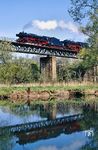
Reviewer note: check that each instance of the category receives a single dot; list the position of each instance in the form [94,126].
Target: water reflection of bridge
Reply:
[48,132]
[37,125]
[43,129]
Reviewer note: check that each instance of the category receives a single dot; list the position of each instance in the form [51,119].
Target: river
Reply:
[78,134]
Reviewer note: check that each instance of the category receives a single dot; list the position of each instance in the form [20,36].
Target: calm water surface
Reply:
[76,135]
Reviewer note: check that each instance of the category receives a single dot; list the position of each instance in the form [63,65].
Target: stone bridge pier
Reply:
[48,68]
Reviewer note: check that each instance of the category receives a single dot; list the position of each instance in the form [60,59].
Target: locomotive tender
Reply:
[50,42]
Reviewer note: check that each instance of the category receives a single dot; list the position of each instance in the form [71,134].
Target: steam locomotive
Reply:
[50,42]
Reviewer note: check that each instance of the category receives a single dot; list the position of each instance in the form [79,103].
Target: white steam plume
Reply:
[52,25]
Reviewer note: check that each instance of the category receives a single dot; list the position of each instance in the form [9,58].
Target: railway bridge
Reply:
[48,63]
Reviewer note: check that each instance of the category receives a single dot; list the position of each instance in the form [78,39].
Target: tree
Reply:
[19,70]
[70,71]
[5,54]
[85,12]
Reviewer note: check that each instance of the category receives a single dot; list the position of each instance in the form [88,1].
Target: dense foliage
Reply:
[85,12]
[70,70]
[5,55]
[19,71]
[16,70]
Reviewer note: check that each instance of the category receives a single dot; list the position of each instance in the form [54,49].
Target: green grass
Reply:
[9,89]
[5,90]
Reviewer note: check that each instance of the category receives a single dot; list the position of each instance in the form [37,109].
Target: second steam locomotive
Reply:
[50,42]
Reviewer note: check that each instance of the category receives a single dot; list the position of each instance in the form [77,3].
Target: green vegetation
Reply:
[19,71]
[83,11]
[5,54]
[16,70]
[73,71]
[86,11]
[10,89]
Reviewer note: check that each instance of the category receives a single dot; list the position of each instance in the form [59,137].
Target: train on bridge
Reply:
[49,42]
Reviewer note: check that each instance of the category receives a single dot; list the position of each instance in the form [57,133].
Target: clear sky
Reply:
[42,17]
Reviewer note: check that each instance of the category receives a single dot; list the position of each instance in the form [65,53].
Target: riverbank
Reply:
[47,91]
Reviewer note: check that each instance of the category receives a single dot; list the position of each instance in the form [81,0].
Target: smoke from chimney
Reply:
[27,26]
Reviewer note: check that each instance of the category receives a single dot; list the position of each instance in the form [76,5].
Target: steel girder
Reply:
[41,50]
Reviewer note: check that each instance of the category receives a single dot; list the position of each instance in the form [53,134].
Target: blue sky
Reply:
[42,17]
